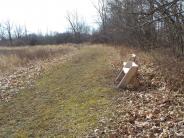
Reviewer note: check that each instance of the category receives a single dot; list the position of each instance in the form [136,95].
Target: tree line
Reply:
[144,23]
[17,35]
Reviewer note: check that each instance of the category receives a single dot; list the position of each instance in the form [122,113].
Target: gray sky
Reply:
[43,15]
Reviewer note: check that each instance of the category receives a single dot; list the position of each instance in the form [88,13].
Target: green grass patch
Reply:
[68,100]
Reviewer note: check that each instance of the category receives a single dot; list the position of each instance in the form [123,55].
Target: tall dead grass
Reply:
[166,66]
[11,58]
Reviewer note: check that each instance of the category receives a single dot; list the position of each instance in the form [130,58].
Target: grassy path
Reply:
[67,101]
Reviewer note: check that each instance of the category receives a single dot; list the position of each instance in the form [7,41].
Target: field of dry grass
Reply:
[11,58]
[78,97]
[68,99]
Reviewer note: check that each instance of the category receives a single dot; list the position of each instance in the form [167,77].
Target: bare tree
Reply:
[25,33]
[9,29]
[101,8]
[2,32]
[18,31]
[77,25]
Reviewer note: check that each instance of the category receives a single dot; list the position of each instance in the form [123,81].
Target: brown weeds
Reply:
[160,64]
[155,108]
[10,58]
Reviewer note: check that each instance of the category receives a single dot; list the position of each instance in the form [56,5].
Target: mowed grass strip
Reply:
[67,101]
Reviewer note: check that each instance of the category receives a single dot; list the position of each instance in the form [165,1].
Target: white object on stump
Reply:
[128,73]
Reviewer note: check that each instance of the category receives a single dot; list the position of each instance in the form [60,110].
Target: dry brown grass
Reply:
[166,67]
[10,58]
[171,69]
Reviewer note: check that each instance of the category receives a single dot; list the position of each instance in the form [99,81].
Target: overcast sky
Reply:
[43,15]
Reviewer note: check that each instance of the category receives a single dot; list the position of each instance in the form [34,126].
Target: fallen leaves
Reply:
[24,77]
[155,109]
[11,84]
